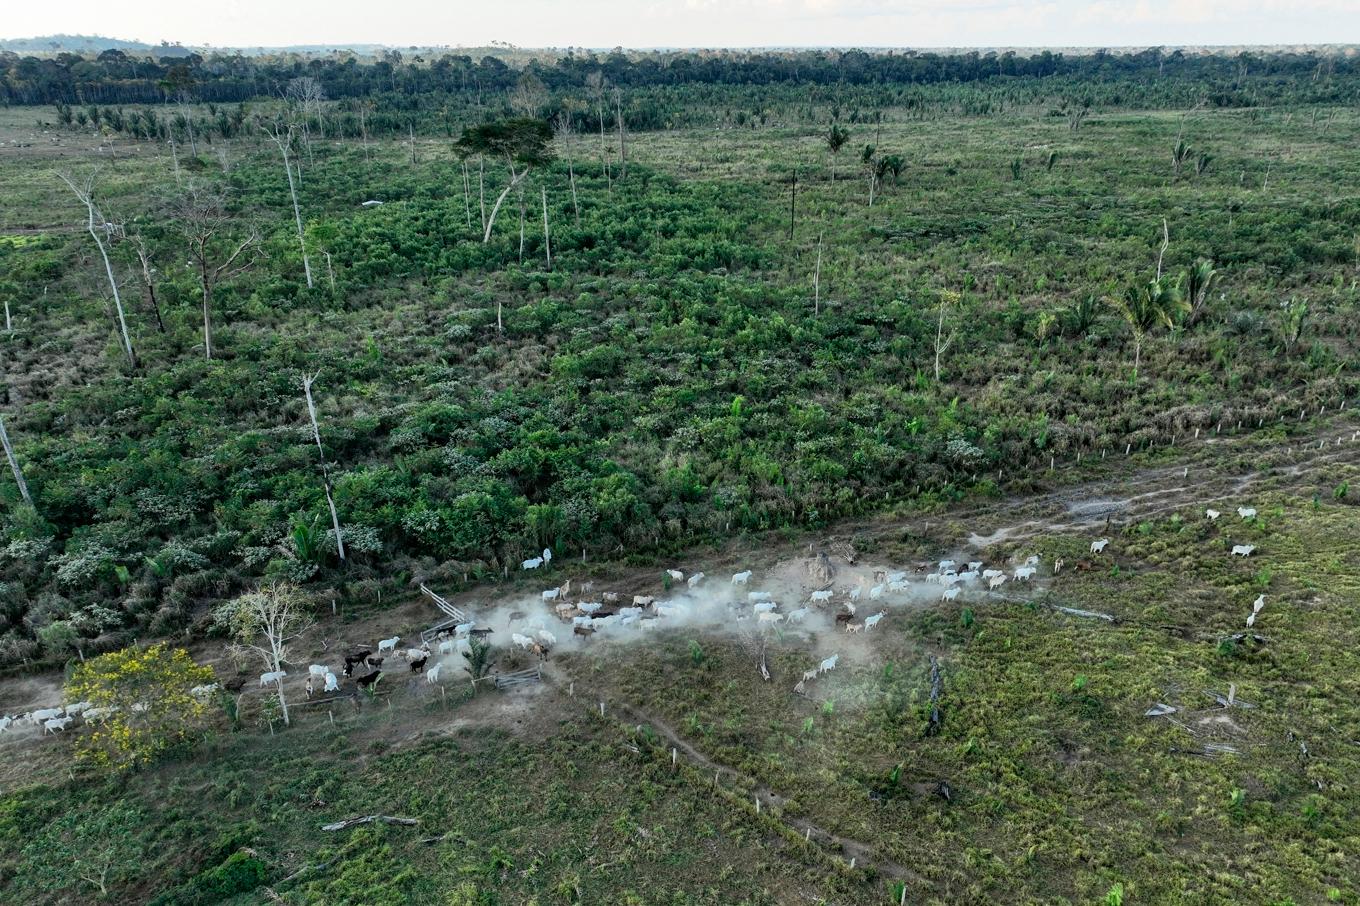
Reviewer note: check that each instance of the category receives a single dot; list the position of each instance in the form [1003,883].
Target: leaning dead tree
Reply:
[522,142]
[14,464]
[97,225]
[307,381]
[203,217]
[283,137]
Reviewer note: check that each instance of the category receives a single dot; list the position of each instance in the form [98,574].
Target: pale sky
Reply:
[695,23]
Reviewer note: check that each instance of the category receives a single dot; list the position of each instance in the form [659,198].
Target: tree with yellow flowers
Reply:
[145,694]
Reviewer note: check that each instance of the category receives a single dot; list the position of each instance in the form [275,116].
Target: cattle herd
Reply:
[606,614]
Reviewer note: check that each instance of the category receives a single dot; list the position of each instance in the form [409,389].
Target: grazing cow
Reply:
[535,563]
[432,675]
[355,659]
[447,646]
[590,607]
[523,641]
[950,593]
[676,575]
[368,680]
[797,616]
[855,592]
[545,637]
[552,594]
[389,644]
[974,565]
[819,597]
[99,715]
[946,565]
[1258,603]
[1024,573]
[1098,546]
[898,576]
[610,597]
[332,684]
[374,661]
[412,653]
[694,580]
[996,582]
[1243,550]
[273,676]
[1211,515]
[42,714]
[77,707]
[873,621]
[419,664]
[765,606]
[770,616]
[1246,512]
[969,576]
[741,578]
[317,671]
[876,592]
[853,627]
[56,723]
[828,664]
[643,600]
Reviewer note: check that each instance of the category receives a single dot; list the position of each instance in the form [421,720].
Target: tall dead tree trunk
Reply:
[618,116]
[283,139]
[14,464]
[495,209]
[325,468]
[86,195]
[547,241]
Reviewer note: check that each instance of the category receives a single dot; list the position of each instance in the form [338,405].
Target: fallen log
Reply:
[367,819]
[1091,614]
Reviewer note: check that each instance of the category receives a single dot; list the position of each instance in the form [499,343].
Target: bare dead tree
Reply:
[148,275]
[97,225]
[184,100]
[547,242]
[283,137]
[817,280]
[942,343]
[618,117]
[595,81]
[265,621]
[307,381]
[14,464]
[562,126]
[218,258]
[467,194]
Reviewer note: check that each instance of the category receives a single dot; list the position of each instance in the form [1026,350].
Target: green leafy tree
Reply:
[1199,280]
[522,142]
[148,704]
[836,137]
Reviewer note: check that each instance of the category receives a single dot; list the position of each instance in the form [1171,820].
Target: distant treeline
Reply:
[116,77]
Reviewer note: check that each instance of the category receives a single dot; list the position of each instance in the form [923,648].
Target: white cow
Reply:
[1259,603]
[552,594]
[797,616]
[56,723]
[332,684]
[990,574]
[523,641]
[1246,512]
[447,646]
[946,565]
[273,676]
[535,563]
[1032,560]
[828,664]
[42,714]
[694,580]
[741,578]
[317,670]
[1211,514]
[388,644]
[871,622]
[464,646]
[765,606]
[1024,573]
[589,606]
[950,593]
[996,582]
[676,575]
[545,637]
[855,592]
[415,654]
[770,616]
[821,596]
[969,576]
[974,565]
[1243,550]
[77,707]
[1251,620]
[756,596]
[5,722]
[547,555]
[432,675]
[464,628]
[643,600]
[876,592]
[99,715]
[1098,546]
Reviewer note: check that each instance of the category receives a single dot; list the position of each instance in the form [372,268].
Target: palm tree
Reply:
[1144,307]
[1199,279]
[836,137]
